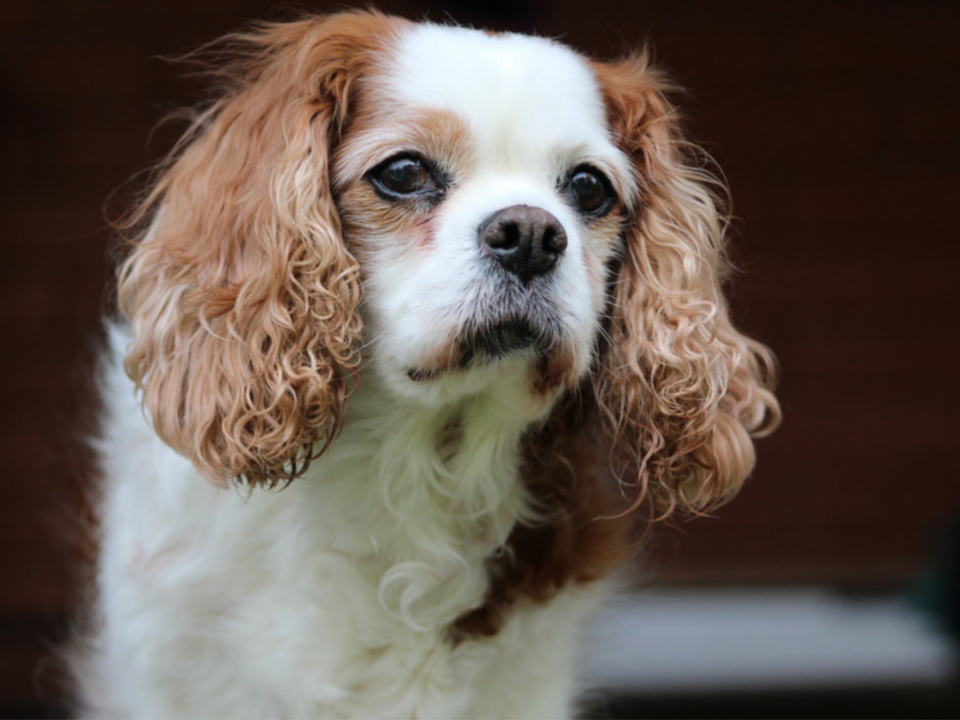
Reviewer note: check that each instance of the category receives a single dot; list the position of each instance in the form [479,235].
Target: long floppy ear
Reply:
[681,390]
[242,295]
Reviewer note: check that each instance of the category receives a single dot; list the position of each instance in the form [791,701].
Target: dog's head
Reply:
[481,190]
[458,213]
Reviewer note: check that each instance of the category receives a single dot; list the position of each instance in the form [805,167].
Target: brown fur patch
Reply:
[584,534]
[555,370]
[377,130]
[238,286]
[680,389]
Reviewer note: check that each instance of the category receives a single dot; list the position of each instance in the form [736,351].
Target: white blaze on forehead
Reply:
[525,99]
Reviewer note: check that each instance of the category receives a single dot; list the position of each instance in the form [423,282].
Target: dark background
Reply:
[838,126]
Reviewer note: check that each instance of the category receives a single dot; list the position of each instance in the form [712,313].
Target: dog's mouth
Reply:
[485,345]
[499,340]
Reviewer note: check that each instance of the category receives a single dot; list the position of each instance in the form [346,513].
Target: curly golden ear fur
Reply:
[241,293]
[681,390]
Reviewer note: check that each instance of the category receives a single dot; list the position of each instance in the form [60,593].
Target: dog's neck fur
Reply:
[427,495]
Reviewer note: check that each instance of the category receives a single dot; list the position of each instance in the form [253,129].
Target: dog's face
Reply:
[480,188]
[452,212]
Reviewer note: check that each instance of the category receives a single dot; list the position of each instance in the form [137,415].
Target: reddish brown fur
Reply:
[555,370]
[585,533]
[679,388]
[227,280]
[437,134]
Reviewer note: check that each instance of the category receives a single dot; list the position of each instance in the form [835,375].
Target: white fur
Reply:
[534,112]
[332,597]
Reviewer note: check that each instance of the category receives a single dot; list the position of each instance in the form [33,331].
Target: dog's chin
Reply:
[490,344]
[497,341]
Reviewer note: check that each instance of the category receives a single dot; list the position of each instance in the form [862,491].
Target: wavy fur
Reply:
[680,389]
[243,271]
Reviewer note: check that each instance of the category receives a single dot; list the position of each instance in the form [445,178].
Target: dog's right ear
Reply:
[241,293]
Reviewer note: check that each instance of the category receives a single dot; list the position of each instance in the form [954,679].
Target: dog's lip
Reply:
[500,339]
[487,343]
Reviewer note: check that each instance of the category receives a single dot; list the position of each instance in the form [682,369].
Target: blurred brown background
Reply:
[838,126]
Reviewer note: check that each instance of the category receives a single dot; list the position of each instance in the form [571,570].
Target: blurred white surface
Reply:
[761,640]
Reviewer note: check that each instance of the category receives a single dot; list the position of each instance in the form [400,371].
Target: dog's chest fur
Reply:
[335,596]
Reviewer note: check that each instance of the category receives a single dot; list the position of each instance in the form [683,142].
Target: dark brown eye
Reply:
[589,191]
[404,177]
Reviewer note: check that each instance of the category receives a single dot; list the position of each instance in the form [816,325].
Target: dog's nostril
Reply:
[526,241]
[554,240]
[504,236]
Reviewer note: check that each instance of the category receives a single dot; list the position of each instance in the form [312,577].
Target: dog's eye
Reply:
[404,176]
[590,191]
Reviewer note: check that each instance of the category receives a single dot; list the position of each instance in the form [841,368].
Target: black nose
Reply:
[526,241]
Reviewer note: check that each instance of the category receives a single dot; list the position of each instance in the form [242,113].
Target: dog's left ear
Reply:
[681,390]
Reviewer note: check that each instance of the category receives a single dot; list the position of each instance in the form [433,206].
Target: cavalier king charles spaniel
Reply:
[416,318]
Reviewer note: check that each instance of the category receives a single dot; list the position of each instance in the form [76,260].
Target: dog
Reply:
[418,325]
